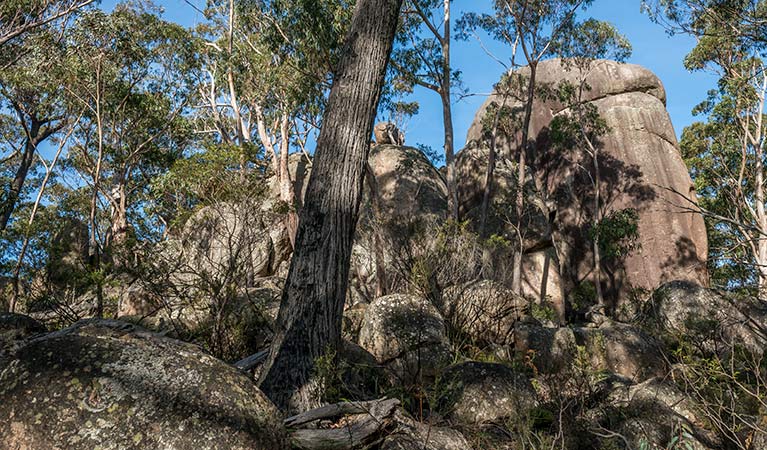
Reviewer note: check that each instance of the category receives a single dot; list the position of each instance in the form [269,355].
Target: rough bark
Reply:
[309,321]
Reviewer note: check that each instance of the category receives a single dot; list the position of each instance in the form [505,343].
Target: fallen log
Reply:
[363,423]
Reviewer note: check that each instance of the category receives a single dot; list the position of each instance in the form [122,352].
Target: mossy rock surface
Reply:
[104,384]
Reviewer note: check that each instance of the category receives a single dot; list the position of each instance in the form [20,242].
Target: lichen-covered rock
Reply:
[110,385]
[551,350]
[484,311]
[411,198]
[617,348]
[624,350]
[477,392]
[654,412]
[682,310]
[758,439]
[657,430]
[224,237]
[406,333]
[413,435]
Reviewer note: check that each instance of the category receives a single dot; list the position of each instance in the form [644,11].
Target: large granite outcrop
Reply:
[411,197]
[641,168]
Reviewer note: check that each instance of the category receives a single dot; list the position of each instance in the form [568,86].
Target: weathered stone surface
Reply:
[388,133]
[477,392]
[655,412]
[68,253]
[408,183]
[758,439]
[110,385]
[300,167]
[550,349]
[413,435]
[618,348]
[222,238]
[541,279]
[406,334]
[353,319]
[484,311]
[640,164]
[137,299]
[412,197]
[622,349]
[682,310]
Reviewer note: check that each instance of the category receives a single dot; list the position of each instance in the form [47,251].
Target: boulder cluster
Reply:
[431,321]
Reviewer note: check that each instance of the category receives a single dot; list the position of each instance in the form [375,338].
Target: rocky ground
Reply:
[439,353]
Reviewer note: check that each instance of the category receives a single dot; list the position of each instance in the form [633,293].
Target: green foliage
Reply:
[203,178]
[130,73]
[418,58]
[543,312]
[19,18]
[583,296]
[328,375]
[542,24]
[618,233]
[723,150]
[593,39]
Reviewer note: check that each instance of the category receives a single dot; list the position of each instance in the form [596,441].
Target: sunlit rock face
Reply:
[640,167]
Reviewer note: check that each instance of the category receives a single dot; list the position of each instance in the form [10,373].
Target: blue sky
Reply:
[652,48]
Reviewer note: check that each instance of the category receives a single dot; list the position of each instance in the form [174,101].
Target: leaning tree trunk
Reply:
[309,321]
[17,184]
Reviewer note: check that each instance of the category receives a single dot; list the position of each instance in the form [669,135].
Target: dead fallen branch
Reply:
[363,423]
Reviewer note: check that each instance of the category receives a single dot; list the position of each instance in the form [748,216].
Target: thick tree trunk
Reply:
[309,321]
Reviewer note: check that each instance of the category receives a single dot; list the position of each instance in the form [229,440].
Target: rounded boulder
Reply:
[111,385]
